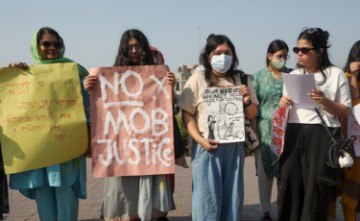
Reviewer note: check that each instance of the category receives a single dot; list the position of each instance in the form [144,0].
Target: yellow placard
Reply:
[42,116]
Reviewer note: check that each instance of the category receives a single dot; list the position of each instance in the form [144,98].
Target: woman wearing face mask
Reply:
[268,86]
[217,168]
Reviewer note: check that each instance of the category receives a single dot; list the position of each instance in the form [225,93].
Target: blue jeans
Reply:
[218,182]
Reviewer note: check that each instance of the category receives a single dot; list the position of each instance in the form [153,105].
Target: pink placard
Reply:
[131,121]
[279,121]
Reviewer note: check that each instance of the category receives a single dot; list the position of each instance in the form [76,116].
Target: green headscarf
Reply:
[38,60]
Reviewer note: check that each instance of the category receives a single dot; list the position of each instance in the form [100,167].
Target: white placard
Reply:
[224,114]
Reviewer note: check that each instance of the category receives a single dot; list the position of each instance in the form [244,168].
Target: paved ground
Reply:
[22,209]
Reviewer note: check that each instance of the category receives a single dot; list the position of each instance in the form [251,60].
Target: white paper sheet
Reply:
[356,112]
[298,86]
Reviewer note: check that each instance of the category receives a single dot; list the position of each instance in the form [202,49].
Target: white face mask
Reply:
[278,64]
[221,63]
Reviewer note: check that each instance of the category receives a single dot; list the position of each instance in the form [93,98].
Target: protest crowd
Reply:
[299,123]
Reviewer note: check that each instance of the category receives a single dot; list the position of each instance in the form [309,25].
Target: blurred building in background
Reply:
[183,74]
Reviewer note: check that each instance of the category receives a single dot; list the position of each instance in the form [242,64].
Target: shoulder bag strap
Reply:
[324,124]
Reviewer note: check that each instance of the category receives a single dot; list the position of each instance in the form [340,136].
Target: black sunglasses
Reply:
[47,44]
[312,30]
[304,50]
[137,47]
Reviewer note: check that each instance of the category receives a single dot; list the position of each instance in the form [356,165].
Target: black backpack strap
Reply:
[243,77]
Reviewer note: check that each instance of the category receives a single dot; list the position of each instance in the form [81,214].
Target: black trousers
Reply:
[306,183]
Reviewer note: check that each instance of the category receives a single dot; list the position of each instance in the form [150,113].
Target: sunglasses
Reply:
[304,50]
[48,44]
[137,47]
[312,30]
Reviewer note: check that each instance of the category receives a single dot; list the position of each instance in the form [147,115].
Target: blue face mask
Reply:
[221,63]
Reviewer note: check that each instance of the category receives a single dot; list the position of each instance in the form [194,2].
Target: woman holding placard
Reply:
[57,188]
[307,184]
[350,189]
[127,197]
[217,168]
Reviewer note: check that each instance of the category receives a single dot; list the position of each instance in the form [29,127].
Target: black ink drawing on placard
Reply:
[224,116]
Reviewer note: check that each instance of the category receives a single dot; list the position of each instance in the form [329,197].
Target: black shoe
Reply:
[267,217]
[163,218]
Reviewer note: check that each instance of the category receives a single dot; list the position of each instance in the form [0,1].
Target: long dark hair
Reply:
[274,46]
[122,58]
[319,40]
[354,55]
[213,41]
